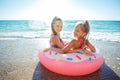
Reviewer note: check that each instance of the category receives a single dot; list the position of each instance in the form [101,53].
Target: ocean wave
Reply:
[29,34]
[103,36]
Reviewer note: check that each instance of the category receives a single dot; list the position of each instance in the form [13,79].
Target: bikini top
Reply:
[55,46]
[81,43]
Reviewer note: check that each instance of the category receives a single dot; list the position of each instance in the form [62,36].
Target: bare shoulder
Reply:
[54,38]
[73,41]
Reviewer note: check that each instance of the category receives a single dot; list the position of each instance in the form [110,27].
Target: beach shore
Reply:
[18,57]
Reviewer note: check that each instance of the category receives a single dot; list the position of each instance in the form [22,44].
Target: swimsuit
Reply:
[54,45]
[81,43]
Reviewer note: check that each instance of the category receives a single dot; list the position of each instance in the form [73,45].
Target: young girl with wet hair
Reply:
[56,27]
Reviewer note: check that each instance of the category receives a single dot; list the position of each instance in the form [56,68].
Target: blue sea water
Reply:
[99,29]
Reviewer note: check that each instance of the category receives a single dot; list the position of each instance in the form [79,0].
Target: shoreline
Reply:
[18,58]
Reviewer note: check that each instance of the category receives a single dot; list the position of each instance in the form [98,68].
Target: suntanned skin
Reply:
[54,39]
[74,45]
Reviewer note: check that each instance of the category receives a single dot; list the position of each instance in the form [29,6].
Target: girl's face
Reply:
[78,32]
[58,26]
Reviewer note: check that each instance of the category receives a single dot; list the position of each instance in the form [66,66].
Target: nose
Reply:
[60,28]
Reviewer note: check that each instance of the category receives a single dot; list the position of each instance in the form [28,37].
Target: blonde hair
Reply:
[53,22]
[85,27]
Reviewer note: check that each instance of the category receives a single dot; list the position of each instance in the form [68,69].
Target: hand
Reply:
[45,50]
[89,53]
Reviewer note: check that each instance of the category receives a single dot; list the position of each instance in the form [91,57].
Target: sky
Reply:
[65,9]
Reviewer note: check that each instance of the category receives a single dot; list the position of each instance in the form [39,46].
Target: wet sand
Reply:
[18,58]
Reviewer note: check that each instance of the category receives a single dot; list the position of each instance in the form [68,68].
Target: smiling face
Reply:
[57,26]
[78,32]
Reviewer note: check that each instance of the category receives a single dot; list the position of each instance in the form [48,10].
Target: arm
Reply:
[90,46]
[74,51]
[67,48]
[77,51]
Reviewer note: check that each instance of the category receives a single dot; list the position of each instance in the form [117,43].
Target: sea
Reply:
[104,30]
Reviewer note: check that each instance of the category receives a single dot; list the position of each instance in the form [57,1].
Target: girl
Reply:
[56,26]
[80,43]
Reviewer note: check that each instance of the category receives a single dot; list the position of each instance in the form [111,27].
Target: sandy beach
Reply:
[18,57]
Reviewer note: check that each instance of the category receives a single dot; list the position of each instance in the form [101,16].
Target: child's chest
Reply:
[77,44]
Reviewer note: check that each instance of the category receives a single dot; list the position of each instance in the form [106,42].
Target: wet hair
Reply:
[85,28]
[53,22]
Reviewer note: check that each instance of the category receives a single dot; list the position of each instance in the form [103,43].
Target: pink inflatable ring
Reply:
[71,64]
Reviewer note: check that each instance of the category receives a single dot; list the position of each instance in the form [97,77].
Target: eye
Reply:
[77,30]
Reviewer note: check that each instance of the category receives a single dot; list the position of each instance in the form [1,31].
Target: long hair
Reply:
[85,28]
[53,22]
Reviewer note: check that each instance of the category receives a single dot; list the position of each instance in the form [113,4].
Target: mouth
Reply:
[59,30]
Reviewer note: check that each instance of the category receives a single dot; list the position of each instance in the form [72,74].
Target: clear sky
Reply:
[65,9]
